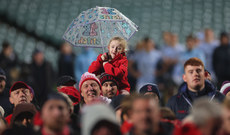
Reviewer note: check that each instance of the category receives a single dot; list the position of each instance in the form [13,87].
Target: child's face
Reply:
[115,48]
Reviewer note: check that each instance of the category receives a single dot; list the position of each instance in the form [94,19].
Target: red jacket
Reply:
[118,68]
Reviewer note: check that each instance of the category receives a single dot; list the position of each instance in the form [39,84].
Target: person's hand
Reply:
[104,63]
[104,57]
[124,92]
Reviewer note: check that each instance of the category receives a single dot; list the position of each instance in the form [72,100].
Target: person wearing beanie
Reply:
[225,88]
[23,114]
[66,85]
[19,92]
[22,120]
[99,119]
[90,87]
[109,85]
[150,89]
[64,81]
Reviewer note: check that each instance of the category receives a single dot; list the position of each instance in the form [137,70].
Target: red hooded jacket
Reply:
[117,67]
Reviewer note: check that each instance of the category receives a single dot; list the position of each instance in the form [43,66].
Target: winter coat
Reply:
[221,63]
[5,103]
[181,102]
[66,65]
[117,67]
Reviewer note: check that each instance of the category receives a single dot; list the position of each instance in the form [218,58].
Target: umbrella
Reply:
[96,26]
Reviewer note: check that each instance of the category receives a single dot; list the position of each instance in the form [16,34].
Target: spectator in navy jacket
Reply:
[195,87]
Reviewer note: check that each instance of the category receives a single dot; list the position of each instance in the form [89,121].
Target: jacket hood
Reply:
[93,114]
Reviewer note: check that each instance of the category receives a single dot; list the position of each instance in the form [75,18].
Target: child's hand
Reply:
[104,57]
[104,63]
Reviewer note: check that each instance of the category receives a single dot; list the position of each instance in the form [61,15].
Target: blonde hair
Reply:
[122,41]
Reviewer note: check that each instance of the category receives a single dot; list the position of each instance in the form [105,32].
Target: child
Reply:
[114,63]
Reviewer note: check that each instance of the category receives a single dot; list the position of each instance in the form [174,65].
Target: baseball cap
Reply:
[18,85]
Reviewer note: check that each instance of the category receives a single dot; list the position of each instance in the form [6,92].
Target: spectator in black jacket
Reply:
[4,94]
[66,61]
[221,59]
[42,75]
[195,87]
[8,61]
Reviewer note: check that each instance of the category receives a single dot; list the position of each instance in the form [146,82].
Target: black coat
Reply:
[5,103]
[42,79]
[66,65]
[182,101]
[221,63]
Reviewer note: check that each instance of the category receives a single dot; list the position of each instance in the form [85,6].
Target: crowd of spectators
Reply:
[156,89]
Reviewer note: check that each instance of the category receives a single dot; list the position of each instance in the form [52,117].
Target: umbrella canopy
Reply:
[96,26]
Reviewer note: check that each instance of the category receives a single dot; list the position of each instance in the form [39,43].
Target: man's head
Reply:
[194,74]
[55,112]
[224,38]
[209,35]
[7,49]
[145,114]
[90,87]
[109,85]
[99,119]
[20,92]
[2,80]
[150,89]
[66,48]
[38,57]
[65,81]
[206,115]
[23,114]
[174,39]
[190,42]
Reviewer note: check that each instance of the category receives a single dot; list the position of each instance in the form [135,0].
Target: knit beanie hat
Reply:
[107,77]
[150,88]
[66,81]
[88,76]
[225,88]
[24,110]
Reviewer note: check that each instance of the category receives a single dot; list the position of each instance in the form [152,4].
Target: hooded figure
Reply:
[94,120]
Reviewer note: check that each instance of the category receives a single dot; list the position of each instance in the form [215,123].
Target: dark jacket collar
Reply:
[209,89]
